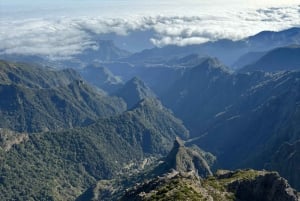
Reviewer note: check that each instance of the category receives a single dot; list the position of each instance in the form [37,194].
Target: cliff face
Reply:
[180,177]
[184,159]
[286,160]
[241,185]
[268,187]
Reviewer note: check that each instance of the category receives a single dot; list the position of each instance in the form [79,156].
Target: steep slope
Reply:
[242,185]
[287,161]
[188,161]
[182,183]
[264,113]
[247,59]
[177,178]
[134,91]
[158,77]
[262,119]
[243,119]
[280,59]
[35,76]
[101,77]
[34,99]
[200,93]
[61,165]
[183,159]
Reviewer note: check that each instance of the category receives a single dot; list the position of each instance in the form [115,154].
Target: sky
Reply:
[60,28]
[115,8]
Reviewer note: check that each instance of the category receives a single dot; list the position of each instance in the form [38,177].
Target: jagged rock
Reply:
[268,187]
[286,160]
[240,185]
[184,160]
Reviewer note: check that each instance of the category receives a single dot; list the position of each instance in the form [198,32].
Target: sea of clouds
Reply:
[66,36]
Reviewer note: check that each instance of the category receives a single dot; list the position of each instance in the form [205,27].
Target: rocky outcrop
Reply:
[240,185]
[286,160]
[184,160]
[9,138]
[268,187]
[171,186]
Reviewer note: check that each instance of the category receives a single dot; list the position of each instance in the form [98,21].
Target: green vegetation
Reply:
[34,76]
[61,165]
[177,189]
[35,99]
[244,185]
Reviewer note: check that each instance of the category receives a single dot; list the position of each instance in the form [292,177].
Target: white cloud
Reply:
[64,37]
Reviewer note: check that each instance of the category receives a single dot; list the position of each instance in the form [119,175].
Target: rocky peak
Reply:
[267,187]
[178,143]
[134,91]
[241,185]
[184,160]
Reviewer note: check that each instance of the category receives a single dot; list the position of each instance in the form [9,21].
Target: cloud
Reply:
[68,36]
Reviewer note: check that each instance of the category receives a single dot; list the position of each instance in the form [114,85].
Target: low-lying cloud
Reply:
[65,37]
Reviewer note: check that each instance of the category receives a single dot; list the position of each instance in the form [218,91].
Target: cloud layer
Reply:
[68,36]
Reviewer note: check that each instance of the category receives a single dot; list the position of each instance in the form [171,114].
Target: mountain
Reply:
[183,159]
[243,185]
[182,182]
[101,77]
[134,91]
[227,51]
[241,118]
[35,76]
[275,38]
[102,50]
[200,93]
[61,165]
[286,160]
[252,129]
[191,60]
[279,59]
[35,99]
[247,59]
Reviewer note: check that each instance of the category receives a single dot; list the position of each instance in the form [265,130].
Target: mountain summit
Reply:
[134,91]
[185,160]
[279,59]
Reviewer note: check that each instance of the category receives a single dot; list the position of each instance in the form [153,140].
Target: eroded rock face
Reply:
[268,187]
[240,185]
[287,161]
[185,160]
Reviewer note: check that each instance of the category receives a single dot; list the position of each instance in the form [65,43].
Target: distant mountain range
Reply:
[109,123]
[227,51]
[103,50]
[279,59]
